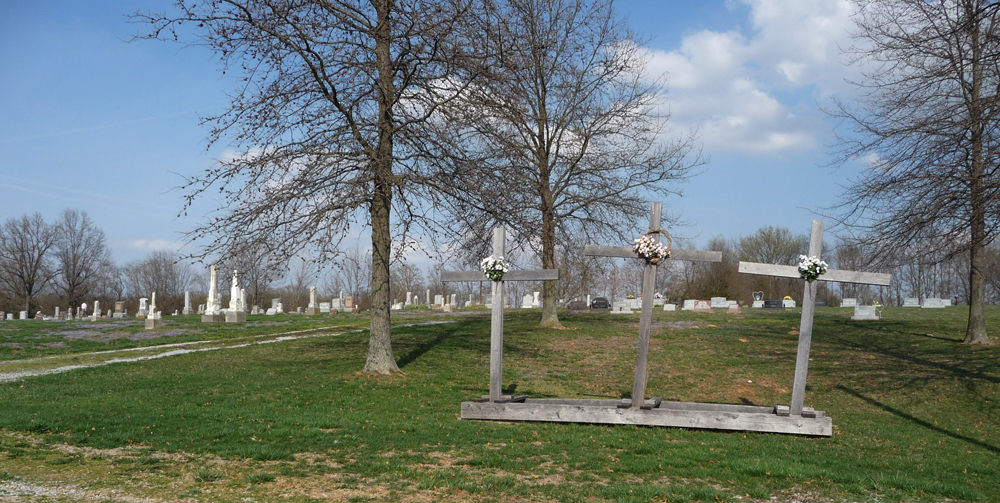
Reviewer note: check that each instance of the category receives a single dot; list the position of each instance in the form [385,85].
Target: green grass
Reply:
[916,414]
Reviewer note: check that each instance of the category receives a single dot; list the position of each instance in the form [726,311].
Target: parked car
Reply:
[600,304]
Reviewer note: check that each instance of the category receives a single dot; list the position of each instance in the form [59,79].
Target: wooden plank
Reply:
[710,420]
[496,341]
[626,252]
[520,275]
[837,275]
[806,325]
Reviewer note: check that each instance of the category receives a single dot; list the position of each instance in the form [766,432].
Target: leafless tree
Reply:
[297,283]
[406,278]
[565,132]
[329,119]
[81,255]
[772,245]
[26,245]
[927,123]
[160,272]
[258,269]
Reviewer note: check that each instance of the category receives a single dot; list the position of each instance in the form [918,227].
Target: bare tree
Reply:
[335,97]
[258,268]
[927,122]
[82,256]
[568,128]
[406,278]
[160,272]
[26,244]
[772,245]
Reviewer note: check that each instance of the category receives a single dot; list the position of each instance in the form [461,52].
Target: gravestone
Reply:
[526,301]
[409,299]
[271,311]
[788,303]
[621,307]
[349,302]
[578,306]
[669,307]
[702,306]
[933,303]
[97,311]
[496,321]
[213,305]
[235,313]
[201,309]
[55,314]
[911,302]
[734,309]
[119,309]
[688,304]
[438,301]
[24,315]
[947,302]
[336,305]
[849,302]
[9,317]
[823,425]
[312,309]
[758,304]
[3,315]
[864,313]
[154,317]
[187,304]
[428,303]
[821,303]
[325,307]
[719,303]
[535,302]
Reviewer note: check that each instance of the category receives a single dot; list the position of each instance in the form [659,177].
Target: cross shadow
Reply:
[443,332]
[921,422]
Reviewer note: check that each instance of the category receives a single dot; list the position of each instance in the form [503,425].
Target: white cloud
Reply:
[150,245]
[740,91]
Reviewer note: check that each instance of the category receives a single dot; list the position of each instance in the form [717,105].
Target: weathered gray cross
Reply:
[809,304]
[496,325]
[648,284]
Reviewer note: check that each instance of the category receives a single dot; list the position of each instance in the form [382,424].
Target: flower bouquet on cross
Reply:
[495,267]
[811,268]
[649,248]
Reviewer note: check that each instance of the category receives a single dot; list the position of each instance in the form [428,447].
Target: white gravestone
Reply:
[235,313]
[933,303]
[187,303]
[409,298]
[621,307]
[153,320]
[688,304]
[312,308]
[911,302]
[336,305]
[325,307]
[213,305]
[719,303]
[526,301]
[864,313]
[670,307]
[536,302]
[788,303]
[947,302]
[439,300]
[23,315]
[849,302]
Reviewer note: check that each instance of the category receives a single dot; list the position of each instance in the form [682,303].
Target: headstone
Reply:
[773,304]
[669,307]
[409,298]
[10,317]
[526,301]
[621,307]
[947,302]
[734,309]
[428,297]
[578,306]
[271,312]
[758,304]
[3,315]
[324,307]
[97,311]
[933,303]
[719,303]
[312,309]
[822,303]
[201,308]
[349,302]
[702,306]
[864,313]
[438,301]
[154,318]
[187,304]
[213,305]
[447,308]
[119,310]
[298,310]
[536,302]
[657,301]
[24,315]
[176,313]
[688,304]
[336,305]
[788,303]
[849,302]
[243,299]
[56,313]
[911,302]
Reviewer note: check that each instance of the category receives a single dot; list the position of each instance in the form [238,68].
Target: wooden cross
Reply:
[496,325]
[809,304]
[648,283]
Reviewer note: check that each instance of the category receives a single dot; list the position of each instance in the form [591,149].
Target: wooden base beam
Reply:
[670,414]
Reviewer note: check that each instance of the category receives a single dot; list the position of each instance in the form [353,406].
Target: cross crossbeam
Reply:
[496,315]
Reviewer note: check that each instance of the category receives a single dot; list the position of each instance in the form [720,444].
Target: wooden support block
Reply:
[808,412]
[782,410]
[512,399]
[652,403]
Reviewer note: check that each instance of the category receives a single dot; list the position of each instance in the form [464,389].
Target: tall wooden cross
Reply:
[496,325]
[648,284]
[809,304]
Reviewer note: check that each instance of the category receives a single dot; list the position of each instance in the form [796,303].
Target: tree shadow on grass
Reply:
[442,333]
[921,422]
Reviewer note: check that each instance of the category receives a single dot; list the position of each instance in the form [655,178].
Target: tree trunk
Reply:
[550,289]
[976,331]
[380,358]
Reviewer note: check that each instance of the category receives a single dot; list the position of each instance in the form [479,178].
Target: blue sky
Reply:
[92,122]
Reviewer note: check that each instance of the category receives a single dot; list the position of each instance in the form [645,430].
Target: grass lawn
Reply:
[916,414]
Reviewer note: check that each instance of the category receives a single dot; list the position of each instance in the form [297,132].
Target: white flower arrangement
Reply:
[657,295]
[647,247]
[811,268]
[495,268]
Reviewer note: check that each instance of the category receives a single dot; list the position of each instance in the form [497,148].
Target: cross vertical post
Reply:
[496,314]
[648,284]
[809,305]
